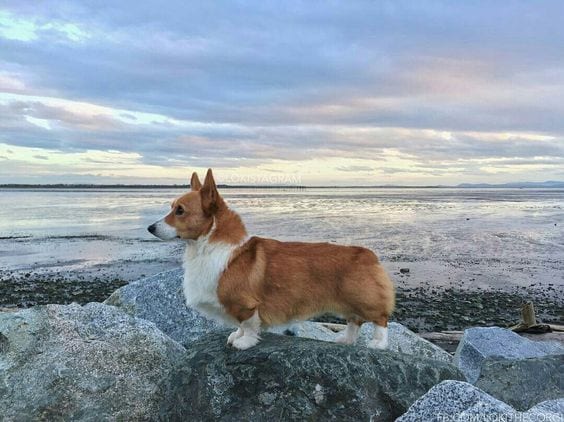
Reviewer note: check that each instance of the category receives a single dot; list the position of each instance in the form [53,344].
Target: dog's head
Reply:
[192,214]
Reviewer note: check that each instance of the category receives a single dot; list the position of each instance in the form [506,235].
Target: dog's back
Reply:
[295,280]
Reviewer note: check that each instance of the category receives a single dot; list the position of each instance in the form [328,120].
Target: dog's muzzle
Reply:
[162,230]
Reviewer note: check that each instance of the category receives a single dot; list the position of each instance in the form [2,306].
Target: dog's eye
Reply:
[179,210]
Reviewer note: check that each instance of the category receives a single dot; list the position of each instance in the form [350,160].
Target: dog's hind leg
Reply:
[380,340]
[350,334]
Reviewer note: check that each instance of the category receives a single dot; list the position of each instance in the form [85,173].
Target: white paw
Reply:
[378,344]
[234,336]
[344,339]
[244,342]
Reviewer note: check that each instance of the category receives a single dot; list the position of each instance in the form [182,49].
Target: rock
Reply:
[522,383]
[306,329]
[81,363]
[160,299]
[401,339]
[479,344]
[460,401]
[404,270]
[550,410]
[455,401]
[511,368]
[292,378]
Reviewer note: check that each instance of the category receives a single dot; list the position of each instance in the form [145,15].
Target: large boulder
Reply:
[453,401]
[511,368]
[480,344]
[522,383]
[401,339]
[285,378]
[460,401]
[550,410]
[81,363]
[160,299]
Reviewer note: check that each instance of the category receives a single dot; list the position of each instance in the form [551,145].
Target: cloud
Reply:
[355,169]
[256,84]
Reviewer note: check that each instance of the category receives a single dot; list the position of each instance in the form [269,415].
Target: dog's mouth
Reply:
[163,231]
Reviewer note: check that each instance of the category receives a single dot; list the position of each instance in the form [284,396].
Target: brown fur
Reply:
[284,280]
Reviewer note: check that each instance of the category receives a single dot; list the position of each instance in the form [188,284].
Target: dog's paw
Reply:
[379,344]
[234,336]
[245,342]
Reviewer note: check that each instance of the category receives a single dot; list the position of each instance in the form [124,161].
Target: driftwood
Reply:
[446,336]
[529,323]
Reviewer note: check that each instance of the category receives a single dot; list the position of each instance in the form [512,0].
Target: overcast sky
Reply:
[327,92]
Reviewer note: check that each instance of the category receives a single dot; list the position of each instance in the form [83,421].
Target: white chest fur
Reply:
[204,262]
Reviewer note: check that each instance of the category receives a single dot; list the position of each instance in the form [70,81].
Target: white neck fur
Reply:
[204,262]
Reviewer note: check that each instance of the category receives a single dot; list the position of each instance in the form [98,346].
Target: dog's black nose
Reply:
[152,228]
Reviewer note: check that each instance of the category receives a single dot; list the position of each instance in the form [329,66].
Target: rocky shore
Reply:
[142,355]
[422,308]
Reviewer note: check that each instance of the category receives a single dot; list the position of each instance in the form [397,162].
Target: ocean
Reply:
[502,238]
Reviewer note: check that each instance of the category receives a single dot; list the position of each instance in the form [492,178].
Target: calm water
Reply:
[78,229]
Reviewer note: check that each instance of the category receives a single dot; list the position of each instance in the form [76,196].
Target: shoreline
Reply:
[422,308]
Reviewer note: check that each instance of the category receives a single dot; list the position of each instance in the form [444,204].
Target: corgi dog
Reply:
[253,283]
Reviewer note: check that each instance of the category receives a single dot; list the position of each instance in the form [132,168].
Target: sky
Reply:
[292,92]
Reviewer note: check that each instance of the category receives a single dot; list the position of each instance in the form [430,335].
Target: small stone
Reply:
[404,270]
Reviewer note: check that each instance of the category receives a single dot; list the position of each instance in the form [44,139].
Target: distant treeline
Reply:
[119,186]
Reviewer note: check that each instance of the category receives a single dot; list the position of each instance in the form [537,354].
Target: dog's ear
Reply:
[209,195]
[195,183]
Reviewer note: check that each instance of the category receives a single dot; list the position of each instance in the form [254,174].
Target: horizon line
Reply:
[545,184]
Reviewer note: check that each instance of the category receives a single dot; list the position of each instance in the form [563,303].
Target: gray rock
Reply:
[81,363]
[456,401]
[479,344]
[460,401]
[306,329]
[401,339]
[522,383]
[291,378]
[550,410]
[159,299]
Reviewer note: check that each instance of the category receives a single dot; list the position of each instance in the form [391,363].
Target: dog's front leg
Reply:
[248,333]
[235,335]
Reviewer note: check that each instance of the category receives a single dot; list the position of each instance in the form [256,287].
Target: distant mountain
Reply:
[547,184]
